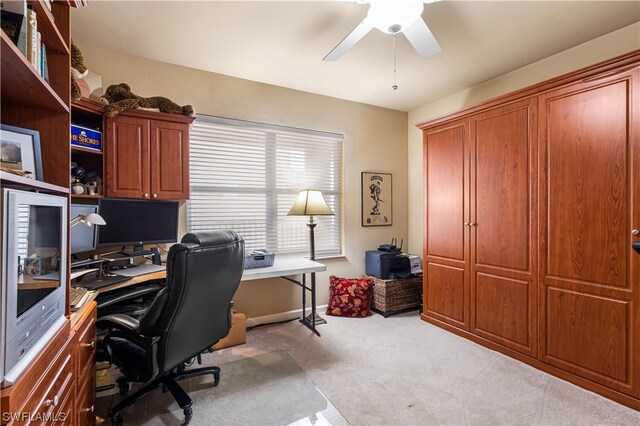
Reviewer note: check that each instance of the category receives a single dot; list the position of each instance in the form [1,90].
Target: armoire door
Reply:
[169,160]
[503,225]
[127,158]
[589,205]
[446,242]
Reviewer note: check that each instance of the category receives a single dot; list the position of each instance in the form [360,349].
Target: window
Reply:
[245,176]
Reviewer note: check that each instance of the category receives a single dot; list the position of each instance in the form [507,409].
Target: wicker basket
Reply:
[395,296]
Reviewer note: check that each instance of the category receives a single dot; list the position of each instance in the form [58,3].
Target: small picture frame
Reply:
[377,199]
[20,152]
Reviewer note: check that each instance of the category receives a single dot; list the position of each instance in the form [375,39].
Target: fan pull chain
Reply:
[395,86]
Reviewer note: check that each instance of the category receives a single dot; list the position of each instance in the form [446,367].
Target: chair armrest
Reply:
[119,322]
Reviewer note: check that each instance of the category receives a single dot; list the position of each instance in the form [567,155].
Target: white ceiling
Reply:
[283,42]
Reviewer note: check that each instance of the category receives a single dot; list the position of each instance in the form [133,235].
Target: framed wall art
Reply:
[20,152]
[377,199]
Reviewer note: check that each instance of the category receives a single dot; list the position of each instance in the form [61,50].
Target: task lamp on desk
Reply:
[310,203]
[90,219]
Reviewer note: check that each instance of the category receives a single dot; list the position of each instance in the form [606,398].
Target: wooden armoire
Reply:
[531,204]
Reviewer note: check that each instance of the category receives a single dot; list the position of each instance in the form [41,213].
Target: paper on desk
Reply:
[73,275]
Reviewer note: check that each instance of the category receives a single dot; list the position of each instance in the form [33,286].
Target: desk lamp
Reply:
[311,203]
[90,219]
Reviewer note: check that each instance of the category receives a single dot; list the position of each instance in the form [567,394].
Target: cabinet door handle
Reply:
[89,345]
[635,232]
[53,401]
[473,224]
[155,195]
[146,195]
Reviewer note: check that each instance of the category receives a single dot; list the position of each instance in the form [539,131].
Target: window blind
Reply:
[245,176]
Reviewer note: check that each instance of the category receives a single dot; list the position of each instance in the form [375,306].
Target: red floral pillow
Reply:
[349,297]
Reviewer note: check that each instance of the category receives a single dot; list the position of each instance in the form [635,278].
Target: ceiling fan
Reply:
[392,17]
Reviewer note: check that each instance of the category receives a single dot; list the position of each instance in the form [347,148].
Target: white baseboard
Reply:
[281,316]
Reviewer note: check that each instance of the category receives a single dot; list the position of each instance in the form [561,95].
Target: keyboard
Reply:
[139,270]
[77,297]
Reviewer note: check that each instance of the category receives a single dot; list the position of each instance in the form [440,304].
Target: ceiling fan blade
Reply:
[422,39]
[349,41]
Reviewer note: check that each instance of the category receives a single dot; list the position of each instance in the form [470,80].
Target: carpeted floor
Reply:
[401,370]
[267,389]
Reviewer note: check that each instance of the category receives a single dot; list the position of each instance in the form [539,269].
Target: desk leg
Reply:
[312,319]
[304,296]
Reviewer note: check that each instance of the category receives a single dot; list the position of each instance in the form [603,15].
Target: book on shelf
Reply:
[14,22]
[44,69]
[39,53]
[32,38]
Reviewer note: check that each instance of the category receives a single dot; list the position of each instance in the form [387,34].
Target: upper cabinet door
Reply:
[589,204]
[446,242]
[169,160]
[503,224]
[127,158]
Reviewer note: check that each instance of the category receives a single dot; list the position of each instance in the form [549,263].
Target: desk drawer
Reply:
[52,390]
[86,402]
[85,342]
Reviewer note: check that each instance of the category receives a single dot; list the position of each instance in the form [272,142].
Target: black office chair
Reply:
[185,319]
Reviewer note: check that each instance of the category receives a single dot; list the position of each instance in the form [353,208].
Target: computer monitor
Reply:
[82,237]
[137,222]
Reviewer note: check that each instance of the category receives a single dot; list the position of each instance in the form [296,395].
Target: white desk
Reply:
[284,267]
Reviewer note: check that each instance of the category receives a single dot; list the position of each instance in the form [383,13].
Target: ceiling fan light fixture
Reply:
[393,17]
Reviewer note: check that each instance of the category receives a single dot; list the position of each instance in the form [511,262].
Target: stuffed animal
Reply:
[119,97]
[78,70]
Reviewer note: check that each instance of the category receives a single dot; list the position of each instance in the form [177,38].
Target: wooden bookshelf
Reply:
[30,102]
[21,83]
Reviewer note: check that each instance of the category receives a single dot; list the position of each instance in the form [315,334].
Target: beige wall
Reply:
[374,140]
[596,50]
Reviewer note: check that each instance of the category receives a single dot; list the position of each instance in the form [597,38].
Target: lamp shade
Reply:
[90,219]
[310,202]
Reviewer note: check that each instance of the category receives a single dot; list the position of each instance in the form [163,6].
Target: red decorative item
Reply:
[349,297]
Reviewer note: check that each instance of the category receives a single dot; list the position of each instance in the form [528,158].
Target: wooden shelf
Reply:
[87,196]
[85,150]
[29,282]
[31,183]
[88,105]
[51,36]
[21,83]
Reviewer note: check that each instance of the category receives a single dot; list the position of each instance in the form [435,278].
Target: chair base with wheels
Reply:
[167,382]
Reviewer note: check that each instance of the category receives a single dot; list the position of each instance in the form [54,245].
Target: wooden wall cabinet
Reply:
[480,240]
[147,156]
[530,205]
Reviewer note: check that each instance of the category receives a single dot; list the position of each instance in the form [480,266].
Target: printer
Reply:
[387,264]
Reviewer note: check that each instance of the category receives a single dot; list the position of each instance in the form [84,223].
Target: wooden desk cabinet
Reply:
[147,156]
[59,386]
[44,389]
[83,346]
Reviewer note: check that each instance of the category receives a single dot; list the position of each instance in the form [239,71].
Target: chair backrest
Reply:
[203,274]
